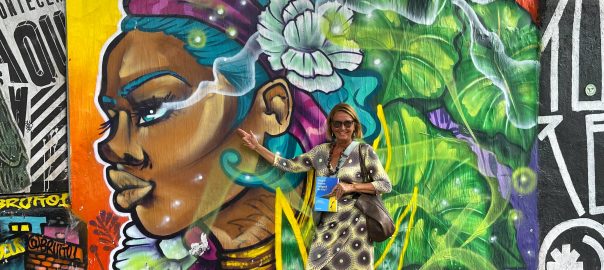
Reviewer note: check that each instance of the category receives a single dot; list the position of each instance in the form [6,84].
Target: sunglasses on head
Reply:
[337,124]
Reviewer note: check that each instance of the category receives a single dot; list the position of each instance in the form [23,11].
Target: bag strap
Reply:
[365,176]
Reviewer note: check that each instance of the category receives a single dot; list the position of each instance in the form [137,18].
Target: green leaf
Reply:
[289,243]
[419,11]
[415,60]
[497,79]
[440,200]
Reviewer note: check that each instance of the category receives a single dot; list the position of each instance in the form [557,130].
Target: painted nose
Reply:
[120,147]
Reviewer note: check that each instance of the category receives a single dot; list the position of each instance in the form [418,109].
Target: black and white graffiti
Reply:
[571,186]
[33,97]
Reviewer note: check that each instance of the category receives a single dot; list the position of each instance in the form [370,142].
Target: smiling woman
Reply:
[341,239]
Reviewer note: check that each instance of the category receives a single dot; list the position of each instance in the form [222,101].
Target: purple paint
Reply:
[243,18]
[527,240]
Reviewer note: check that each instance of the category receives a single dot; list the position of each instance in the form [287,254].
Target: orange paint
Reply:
[532,6]
[91,23]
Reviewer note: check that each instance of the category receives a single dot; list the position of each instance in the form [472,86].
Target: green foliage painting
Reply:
[453,89]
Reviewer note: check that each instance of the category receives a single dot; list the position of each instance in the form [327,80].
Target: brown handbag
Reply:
[379,223]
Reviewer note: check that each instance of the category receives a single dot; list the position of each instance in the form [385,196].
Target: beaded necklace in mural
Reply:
[342,155]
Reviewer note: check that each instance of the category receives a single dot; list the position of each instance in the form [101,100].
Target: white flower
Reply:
[308,42]
[198,249]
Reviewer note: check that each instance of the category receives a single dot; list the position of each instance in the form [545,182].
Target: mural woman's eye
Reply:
[150,111]
[149,115]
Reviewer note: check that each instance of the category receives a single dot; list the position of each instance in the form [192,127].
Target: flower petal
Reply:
[321,64]
[306,64]
[295,8]
[273,45]
[348,58]
[322,83]
[303,33]
[274,10]
[298,61]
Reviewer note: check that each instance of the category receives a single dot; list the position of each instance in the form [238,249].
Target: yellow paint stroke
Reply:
[413,206]
[282,207]
[377,140]
[409,227]
[382,118]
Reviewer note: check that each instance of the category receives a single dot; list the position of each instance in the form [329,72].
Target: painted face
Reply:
[346,126]
[164,165]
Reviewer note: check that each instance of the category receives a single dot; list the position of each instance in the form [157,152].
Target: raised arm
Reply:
[250,140]
[301,163]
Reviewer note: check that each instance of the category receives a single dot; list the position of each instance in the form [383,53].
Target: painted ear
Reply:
[275,100]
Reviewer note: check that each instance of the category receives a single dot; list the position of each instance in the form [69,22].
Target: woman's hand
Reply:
[249,139]
[341,189]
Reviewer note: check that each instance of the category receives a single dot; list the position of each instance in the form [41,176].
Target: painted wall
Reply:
[447,92]
[36,225]
[570,184]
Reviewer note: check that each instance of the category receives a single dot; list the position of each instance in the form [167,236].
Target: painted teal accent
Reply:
[268,178]
[134,84]
[35,222]
[359,91]
[108,100]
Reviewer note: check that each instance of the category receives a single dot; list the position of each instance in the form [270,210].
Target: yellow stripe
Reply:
[376,142]
[411,205]
[382,118]
[282,207]
[409,226]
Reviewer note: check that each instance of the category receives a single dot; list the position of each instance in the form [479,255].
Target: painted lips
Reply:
[129,189]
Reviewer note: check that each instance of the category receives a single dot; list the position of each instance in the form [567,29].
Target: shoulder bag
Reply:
[379,223]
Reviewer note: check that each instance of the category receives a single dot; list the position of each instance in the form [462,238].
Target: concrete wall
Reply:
[570,183]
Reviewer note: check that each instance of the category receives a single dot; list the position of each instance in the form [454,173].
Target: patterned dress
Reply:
[341,240]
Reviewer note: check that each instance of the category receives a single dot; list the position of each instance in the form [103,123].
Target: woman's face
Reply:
[342,132]
[164,165]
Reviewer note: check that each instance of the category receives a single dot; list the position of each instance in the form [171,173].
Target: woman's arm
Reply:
[344,188]
[381,181]
[250,140]
[301,163]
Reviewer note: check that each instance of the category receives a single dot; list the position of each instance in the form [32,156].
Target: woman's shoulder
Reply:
[320,147]
[364,145]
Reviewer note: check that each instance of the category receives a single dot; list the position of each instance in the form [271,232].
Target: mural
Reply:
[447,91]
[38,231]
[571,149]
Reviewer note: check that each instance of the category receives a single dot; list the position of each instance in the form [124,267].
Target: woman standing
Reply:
[341,240]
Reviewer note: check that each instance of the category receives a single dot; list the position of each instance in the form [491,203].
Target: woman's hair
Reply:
[218,44]
[343,107]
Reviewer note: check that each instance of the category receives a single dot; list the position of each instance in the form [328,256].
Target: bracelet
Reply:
[275,159]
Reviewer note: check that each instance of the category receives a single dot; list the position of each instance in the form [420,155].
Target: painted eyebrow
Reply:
[134,84]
